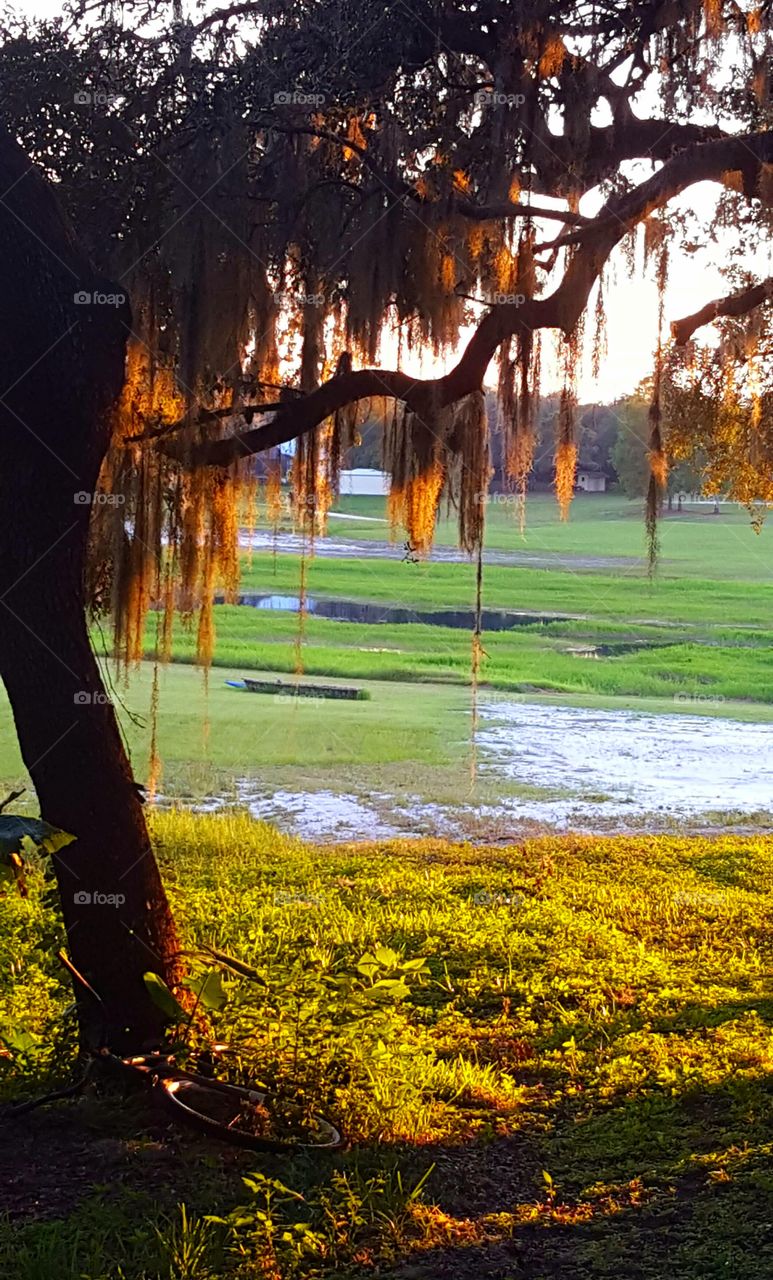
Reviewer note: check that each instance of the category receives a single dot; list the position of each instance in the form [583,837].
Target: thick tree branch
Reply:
[704,162]
[735,304]
[295,418]
[514,209]
[560,310]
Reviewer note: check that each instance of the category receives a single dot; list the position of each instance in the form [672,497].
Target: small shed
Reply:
[364,481]
[591,480]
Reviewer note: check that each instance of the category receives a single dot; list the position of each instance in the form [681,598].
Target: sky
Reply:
[631,304]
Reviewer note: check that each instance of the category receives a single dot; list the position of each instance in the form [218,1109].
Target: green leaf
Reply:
[17,1038]
[163,998]
[367,964]
[14,830]
[393,987]
[208,989]
[387,957]
[56,839]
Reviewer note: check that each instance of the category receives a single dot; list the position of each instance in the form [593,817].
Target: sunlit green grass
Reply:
[618,596]
[535,658]
[695,543]
[584,1069]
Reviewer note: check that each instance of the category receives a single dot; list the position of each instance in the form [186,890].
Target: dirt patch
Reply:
[53,1159]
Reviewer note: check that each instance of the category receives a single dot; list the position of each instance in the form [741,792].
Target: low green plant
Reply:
[593,1009]
[187,1245]
[268,1233]
[313,1027]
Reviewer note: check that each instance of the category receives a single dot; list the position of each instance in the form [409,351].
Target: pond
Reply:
[624,763]
[373,613]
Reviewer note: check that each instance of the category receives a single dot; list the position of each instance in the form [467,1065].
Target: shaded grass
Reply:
[585,1068]
[210,727]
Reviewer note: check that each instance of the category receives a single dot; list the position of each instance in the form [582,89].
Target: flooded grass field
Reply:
[544,768]
[607,702]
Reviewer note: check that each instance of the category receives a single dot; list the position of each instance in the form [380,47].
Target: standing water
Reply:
[619,763]
[579,769]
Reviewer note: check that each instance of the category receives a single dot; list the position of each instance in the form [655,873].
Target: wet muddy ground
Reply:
[575,769]
[339,548]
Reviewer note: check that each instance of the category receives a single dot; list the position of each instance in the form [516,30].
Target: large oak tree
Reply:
[294,197]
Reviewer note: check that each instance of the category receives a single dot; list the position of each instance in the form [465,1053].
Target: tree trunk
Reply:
[61,370]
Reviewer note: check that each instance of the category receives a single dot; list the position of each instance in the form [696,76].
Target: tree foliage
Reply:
[297,197]
[630,451]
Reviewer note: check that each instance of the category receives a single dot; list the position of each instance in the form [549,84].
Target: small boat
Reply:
[285,689]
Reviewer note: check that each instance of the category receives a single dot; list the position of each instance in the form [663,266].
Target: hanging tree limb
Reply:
[734,304]
[496,212]
[707,161]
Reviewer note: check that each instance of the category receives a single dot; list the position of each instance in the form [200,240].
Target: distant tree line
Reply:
[612,440]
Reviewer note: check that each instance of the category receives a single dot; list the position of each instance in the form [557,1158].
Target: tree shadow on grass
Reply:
[744,868]
[695,1016]
[673,1184]
[676,1181]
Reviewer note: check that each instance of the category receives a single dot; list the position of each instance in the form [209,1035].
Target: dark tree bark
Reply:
[61,369]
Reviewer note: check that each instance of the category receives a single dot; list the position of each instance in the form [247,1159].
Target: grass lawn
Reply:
[406,737]
[726,664]
[694,543]
[702,627]
[576,1082]
[621,596]
[209,733]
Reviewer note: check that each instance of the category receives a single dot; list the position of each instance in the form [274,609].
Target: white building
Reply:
[590,480]
[364,481]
